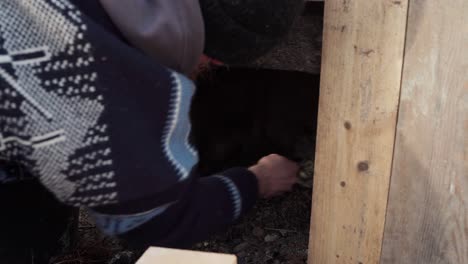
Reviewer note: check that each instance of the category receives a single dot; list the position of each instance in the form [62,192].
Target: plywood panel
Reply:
[361,73]
[158,255]
[427,218]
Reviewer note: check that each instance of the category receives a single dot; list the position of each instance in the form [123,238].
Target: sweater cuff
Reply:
[243,189]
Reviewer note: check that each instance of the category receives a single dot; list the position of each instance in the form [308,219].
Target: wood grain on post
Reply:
[361,74]
[427,217]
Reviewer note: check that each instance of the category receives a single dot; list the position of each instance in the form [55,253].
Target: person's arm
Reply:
[205,206]
[208,205]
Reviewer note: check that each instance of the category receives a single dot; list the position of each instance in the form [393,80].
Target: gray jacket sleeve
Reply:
[160,27]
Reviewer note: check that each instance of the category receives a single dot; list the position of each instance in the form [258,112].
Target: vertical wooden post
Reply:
[361,73]
[427,217]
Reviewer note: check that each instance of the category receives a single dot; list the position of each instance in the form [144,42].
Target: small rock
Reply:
[306,183]
[241,254]
[206,244]
[124,257]
[303,175]
[240,247]
[258,232]
[271,237]
[223,250]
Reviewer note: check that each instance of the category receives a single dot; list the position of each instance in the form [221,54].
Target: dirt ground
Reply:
[276,231]
[301,49]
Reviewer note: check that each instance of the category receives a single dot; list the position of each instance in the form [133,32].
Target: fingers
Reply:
[278,159]
[276,175]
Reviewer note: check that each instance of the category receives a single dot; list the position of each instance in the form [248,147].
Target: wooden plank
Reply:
[427,217]
[157,255]
[361,74]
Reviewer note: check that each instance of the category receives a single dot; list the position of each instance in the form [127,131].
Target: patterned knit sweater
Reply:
[105,127]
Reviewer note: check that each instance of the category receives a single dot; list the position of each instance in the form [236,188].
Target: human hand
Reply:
[275,174]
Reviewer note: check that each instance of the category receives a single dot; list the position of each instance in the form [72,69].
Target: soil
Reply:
[301,49]
[276,231]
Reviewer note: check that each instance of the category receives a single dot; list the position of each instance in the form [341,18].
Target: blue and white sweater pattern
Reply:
[105,127]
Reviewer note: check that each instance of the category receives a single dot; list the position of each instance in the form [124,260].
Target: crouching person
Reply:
[94,107]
